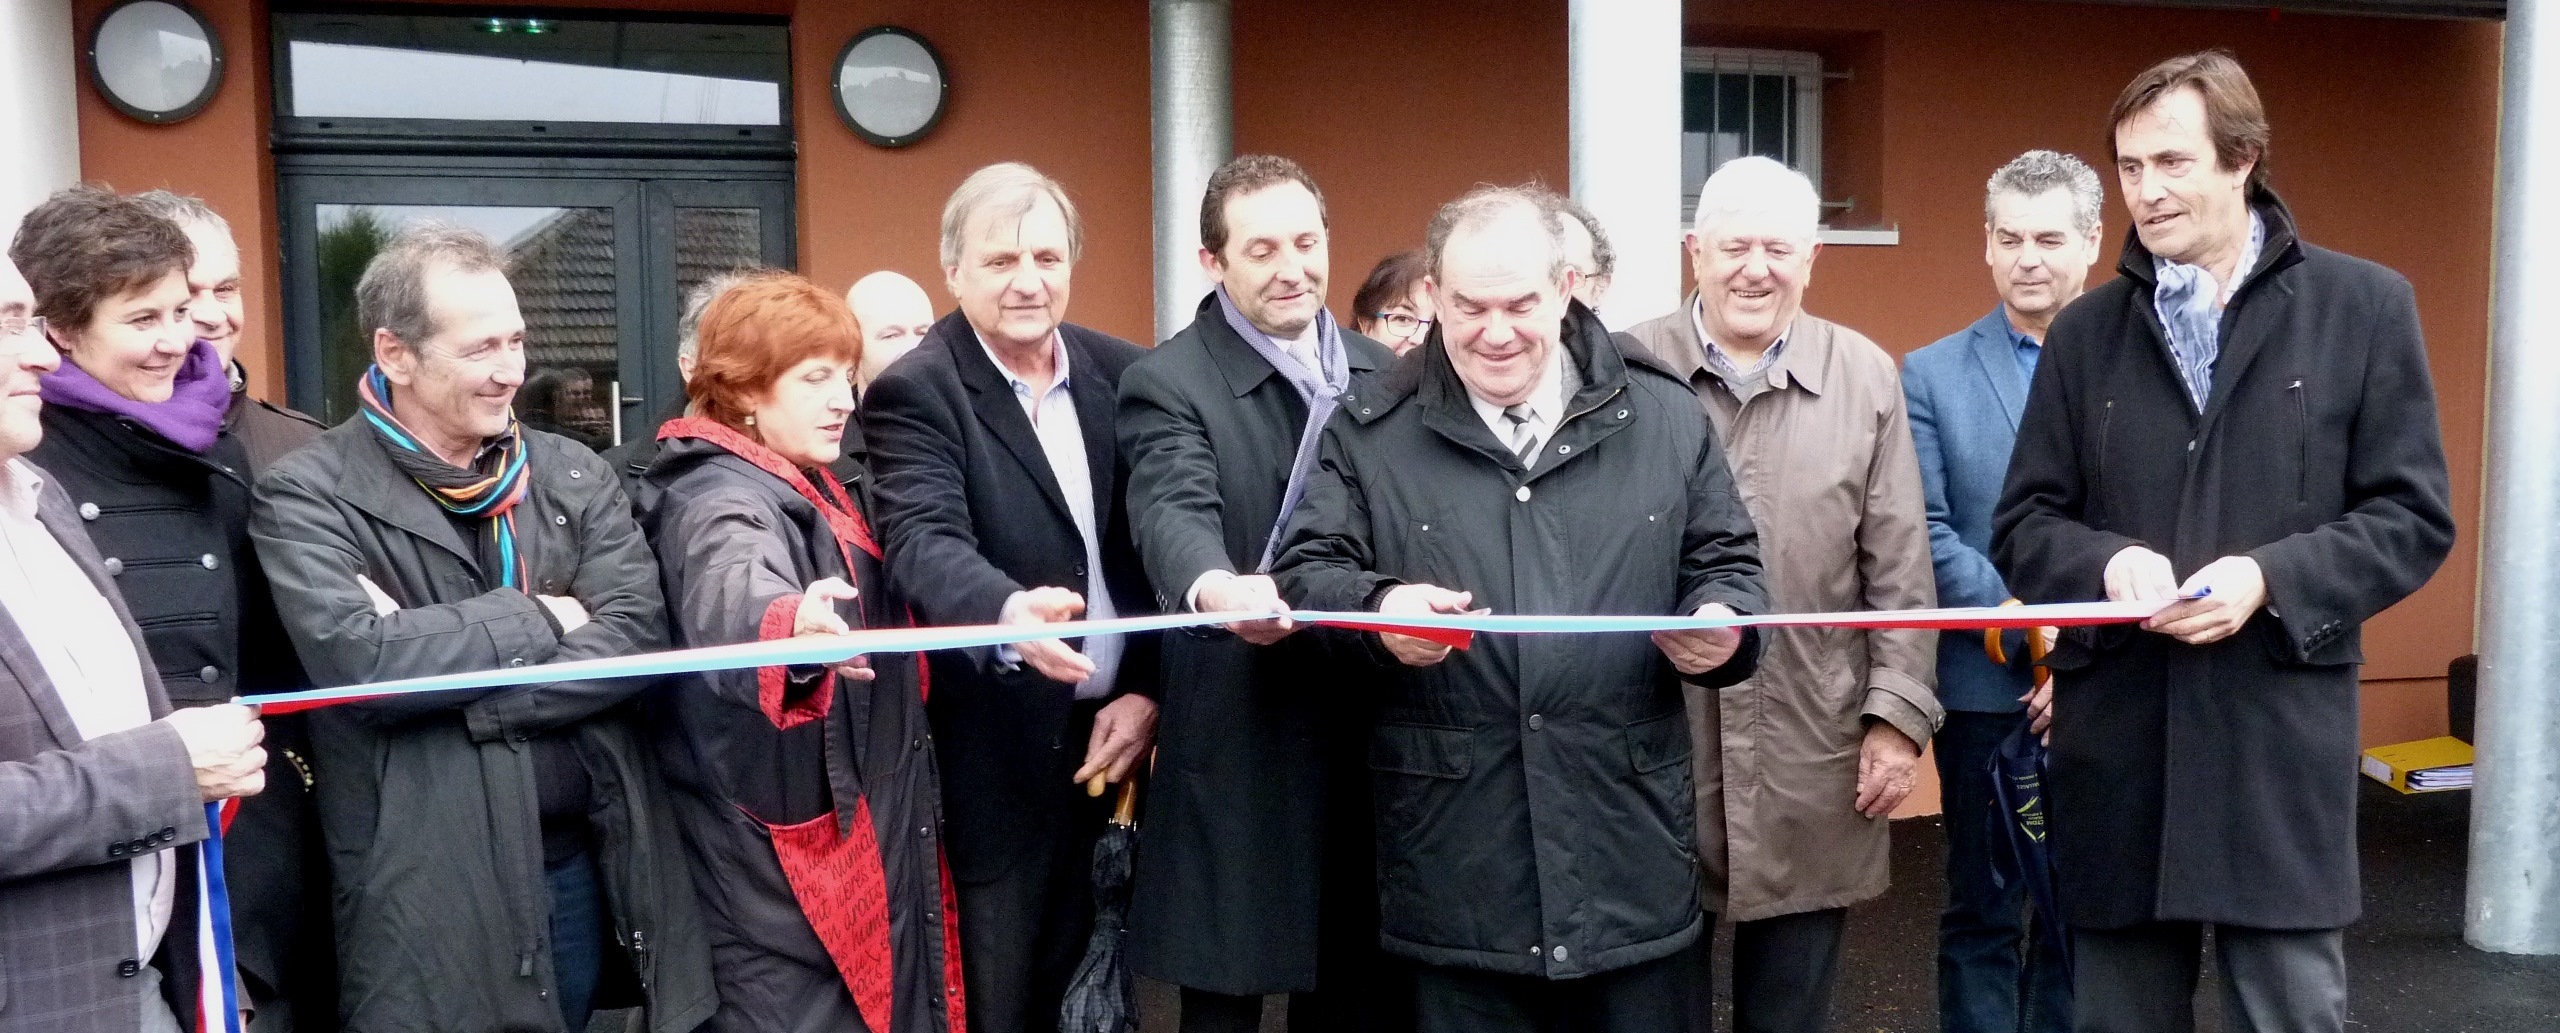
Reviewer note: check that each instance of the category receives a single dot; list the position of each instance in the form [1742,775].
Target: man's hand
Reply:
[1696,652]
[1050,657]
[2138,574]
[223,743]
[2039,701]
[1417,599]
[1248,593]
[1122,733]
[2233,588]
[567,611]
[1887,762]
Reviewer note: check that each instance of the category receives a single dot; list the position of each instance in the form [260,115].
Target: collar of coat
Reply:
[1245,369]
[1425,372]
[2283,247]
[1804,361]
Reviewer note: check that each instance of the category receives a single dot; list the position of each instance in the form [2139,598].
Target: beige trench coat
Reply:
[1825,463]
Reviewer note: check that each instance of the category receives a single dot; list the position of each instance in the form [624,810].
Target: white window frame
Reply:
[1804,132]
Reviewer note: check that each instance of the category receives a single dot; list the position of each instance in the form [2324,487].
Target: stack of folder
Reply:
[2425,766]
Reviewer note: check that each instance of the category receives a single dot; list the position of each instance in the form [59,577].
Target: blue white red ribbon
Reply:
[1455,629]
[217,1004]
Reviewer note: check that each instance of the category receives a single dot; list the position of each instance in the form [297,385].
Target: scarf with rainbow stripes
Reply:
[491,487]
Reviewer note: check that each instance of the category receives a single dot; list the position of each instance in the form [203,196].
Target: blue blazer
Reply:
[1965,394]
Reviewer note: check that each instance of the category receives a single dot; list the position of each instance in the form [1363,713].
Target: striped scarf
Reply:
[490,488]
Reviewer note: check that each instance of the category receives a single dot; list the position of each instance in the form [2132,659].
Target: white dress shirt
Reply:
[1053,418]
[93,665]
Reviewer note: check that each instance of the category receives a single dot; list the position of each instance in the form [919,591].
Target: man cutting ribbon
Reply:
[1257,874]
[1536,849]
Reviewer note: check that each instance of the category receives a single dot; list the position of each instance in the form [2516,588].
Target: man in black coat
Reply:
[2244,415]
[999,485]
[1536,825]
[1257,877]
[510,841]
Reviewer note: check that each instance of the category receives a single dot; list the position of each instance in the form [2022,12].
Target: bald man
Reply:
[894,314]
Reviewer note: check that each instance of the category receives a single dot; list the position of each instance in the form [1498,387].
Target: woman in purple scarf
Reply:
[133,432]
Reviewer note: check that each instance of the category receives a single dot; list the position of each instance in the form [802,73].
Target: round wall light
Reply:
[889,86]
[155,60]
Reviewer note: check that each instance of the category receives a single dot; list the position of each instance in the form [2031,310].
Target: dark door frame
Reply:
[644,194]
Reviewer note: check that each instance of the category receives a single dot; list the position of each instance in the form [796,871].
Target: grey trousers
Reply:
[2143,979]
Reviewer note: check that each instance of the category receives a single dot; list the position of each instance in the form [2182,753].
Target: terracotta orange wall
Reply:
[2384,145]
[219,155]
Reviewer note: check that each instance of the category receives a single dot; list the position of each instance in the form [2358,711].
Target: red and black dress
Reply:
[811,804]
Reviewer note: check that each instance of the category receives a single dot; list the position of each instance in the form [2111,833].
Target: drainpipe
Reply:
[2513,902]
[1189,46]
[1624,138]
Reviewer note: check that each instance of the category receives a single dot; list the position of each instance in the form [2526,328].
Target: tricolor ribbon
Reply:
[217,1002]
[1453,629]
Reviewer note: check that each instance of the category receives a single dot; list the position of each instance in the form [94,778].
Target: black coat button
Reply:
[115,850]
[209,675]
[88,511]
[210,561]
[114,566]
[169,833]
[128,968]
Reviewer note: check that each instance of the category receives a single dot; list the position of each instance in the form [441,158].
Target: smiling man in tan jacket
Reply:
[1798,767]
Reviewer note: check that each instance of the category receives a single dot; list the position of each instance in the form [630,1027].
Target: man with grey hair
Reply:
[1001,493]
[893,314]
[497,840]
[1965,393]
[1586,250]
[1535,857]
[219,307]
[1800,767]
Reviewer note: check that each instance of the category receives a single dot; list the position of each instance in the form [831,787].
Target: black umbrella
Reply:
[1102,998]
[2023,850]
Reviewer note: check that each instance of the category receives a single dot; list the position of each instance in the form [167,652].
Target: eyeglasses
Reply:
[14,327]
[1403,325]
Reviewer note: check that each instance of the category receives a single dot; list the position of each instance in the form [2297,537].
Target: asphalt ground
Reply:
[2410,970]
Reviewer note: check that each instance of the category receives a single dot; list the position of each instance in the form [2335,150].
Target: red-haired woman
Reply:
[809,797]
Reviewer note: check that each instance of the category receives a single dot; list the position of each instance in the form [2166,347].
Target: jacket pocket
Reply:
[1430,751]
[1658,742]
[2098,479]
[2302,443]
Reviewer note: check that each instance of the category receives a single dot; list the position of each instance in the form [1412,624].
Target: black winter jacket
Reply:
[428,802]
[755,756]
[1534,805]
[2317,455]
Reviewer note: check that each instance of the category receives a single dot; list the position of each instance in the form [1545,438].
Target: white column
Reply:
[1625,141]
[1193,108]
[39,121]
[2513,900]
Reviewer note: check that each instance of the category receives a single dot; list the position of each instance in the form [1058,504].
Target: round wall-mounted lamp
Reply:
[155,60]
[889,86]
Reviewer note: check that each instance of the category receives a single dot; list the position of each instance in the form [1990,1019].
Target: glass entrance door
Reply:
[600,265]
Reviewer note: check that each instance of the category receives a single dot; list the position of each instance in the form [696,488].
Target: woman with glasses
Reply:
[134,433]
[808,795]
[1394,310]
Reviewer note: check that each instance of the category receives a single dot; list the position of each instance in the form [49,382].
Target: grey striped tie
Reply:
[1524,436]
